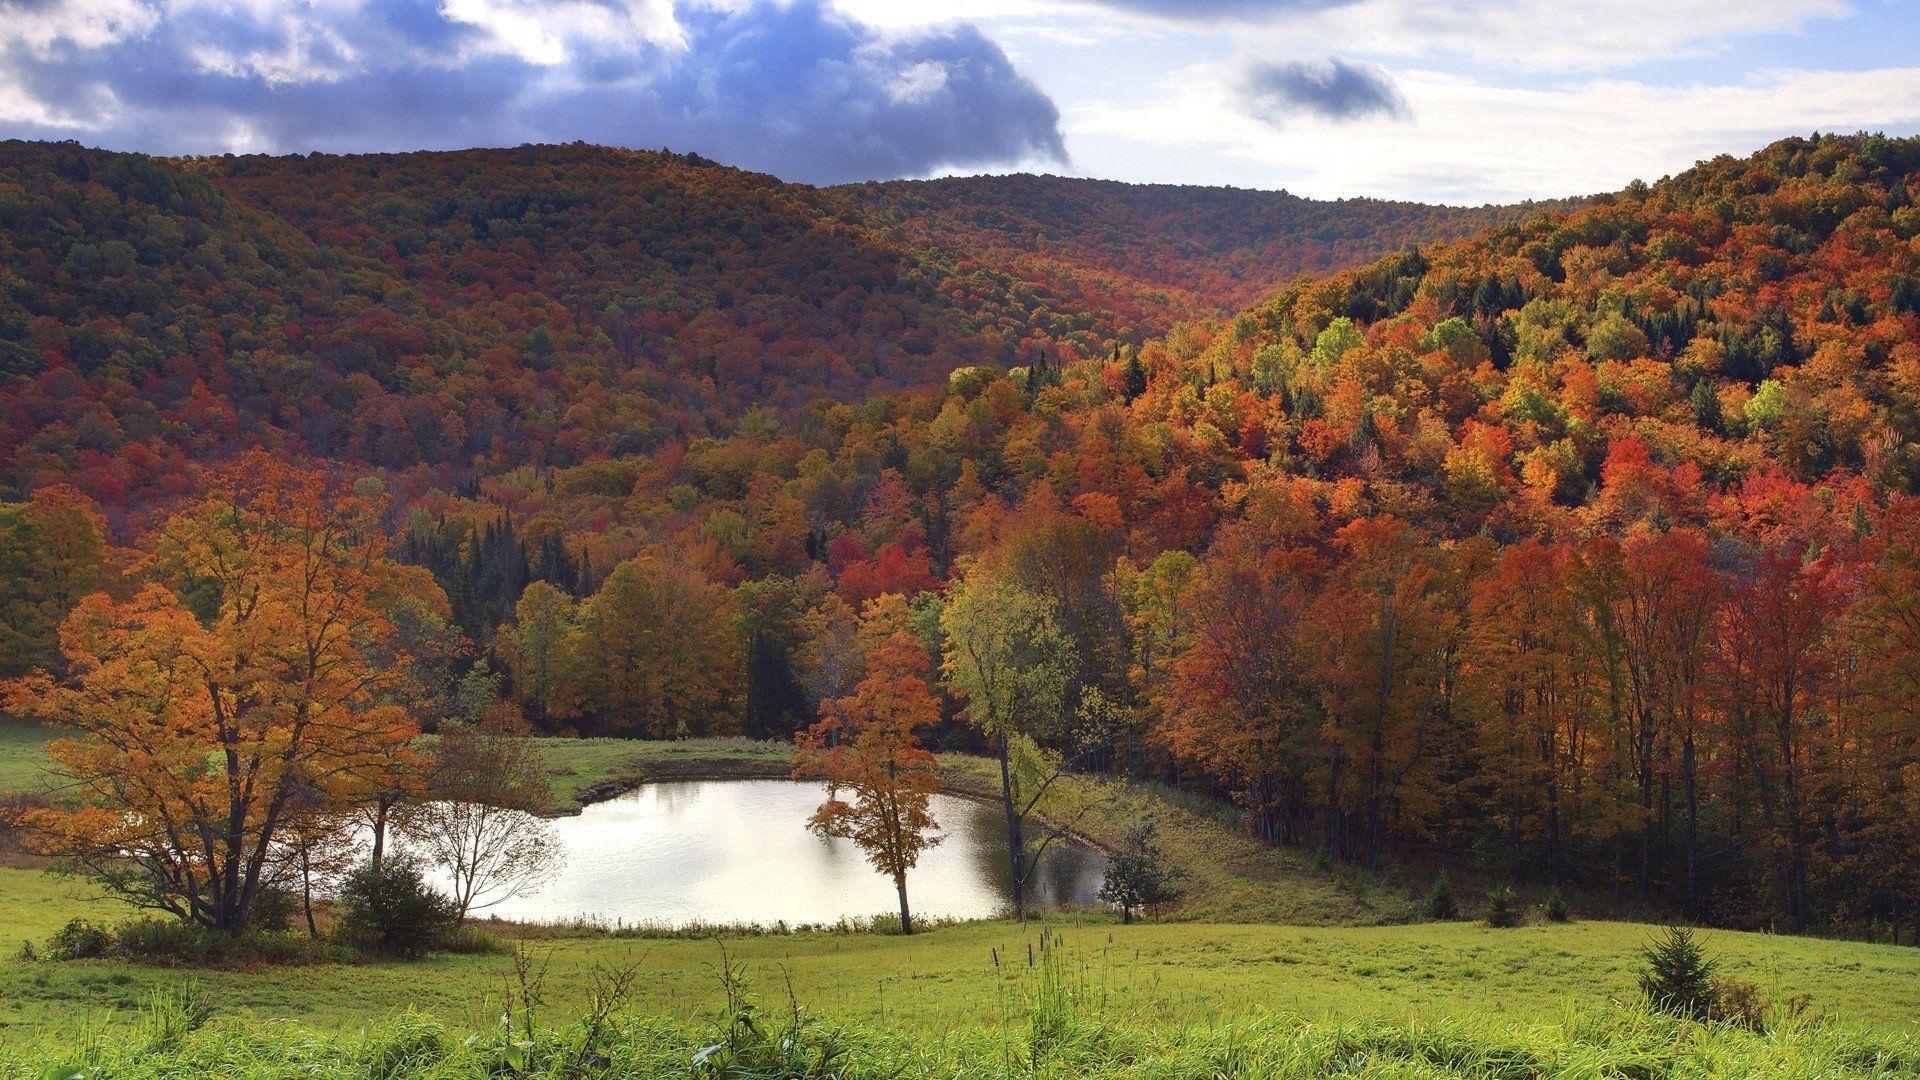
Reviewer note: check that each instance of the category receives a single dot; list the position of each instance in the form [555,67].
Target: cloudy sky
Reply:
[1457,100]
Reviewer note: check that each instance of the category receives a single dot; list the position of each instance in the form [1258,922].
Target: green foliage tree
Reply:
[1007,657]
[51,555]
[1138,874]
[1503,909]
[534,646]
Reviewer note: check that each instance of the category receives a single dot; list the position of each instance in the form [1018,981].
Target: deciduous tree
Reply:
[868,745]
[232,692]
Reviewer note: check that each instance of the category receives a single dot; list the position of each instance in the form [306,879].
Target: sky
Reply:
[1459,101]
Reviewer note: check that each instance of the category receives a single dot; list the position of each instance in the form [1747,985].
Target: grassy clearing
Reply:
[1205,993]
[1614,1043]
[958,978]
[23,756]
[1231,877]
[1072,1013]
[581,765]
[577,764]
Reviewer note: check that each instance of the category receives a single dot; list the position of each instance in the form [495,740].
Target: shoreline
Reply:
[954,782]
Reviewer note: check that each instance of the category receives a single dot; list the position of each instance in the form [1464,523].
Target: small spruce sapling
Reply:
[1677,975]
[1503,910]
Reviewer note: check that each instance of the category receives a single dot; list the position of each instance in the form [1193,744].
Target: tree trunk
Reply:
[906,917]
[381,808]
[1693,816]
[306,890]
[1016,850]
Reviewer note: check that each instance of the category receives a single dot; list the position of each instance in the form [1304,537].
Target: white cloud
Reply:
[1470,141]
[1519,35]
[85,23]
[550,32]
[1553,35]
[919,83]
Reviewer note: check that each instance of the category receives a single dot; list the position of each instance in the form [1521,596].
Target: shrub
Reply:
[474,941]
[79,940]
[1677,976]
[1556,909]
[272,911]
[1138,874]
[1738,1002]
[1503,911]
[389,910]
[156,939]
[170,941]
[1440,903]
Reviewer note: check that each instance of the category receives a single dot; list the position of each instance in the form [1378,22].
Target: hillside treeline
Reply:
[1583,550]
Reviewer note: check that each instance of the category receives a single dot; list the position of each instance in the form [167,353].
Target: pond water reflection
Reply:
[738,851]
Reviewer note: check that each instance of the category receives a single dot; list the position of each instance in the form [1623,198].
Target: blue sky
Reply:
[1458,101]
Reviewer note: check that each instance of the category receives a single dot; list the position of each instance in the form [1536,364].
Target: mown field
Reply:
[1305,964]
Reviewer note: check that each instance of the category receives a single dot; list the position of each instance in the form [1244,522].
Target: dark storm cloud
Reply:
[1331,89]
[793,89]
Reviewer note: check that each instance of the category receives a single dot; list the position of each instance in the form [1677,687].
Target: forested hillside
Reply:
[1581,549]
[1159,253]
[1586,549]
[452,315]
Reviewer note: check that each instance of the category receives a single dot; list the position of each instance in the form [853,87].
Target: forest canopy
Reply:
[1584,548]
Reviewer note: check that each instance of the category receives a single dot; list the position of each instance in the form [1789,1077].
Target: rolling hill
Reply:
[452,315]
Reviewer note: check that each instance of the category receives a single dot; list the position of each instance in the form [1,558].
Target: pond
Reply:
[738,851]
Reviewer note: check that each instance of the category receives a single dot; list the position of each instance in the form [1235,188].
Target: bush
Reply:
[389,910]
[1677,976]
[161,939]
[472,940]
[1138,875]
[1503,911]
[1440,903]
[1738,1002]
[169,941]
[272,911]
[79,940]
[1556,909]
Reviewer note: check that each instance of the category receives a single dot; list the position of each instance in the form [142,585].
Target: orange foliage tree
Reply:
[868,744]
[232,693]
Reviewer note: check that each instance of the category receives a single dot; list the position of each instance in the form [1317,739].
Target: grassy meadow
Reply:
[1145,1000]
[1270,965]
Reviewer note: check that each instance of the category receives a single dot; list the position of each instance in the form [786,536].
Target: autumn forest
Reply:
[1571,544]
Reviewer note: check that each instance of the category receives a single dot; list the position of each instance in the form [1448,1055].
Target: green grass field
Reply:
[952,977]
[23,756]
[1263,938]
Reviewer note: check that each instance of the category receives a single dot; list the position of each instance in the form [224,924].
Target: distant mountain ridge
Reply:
[1209,250]
[452,314]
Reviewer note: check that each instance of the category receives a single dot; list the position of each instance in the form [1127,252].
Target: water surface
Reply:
[738,851]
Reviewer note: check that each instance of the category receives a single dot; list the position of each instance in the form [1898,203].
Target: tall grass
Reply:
[1058,1021]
